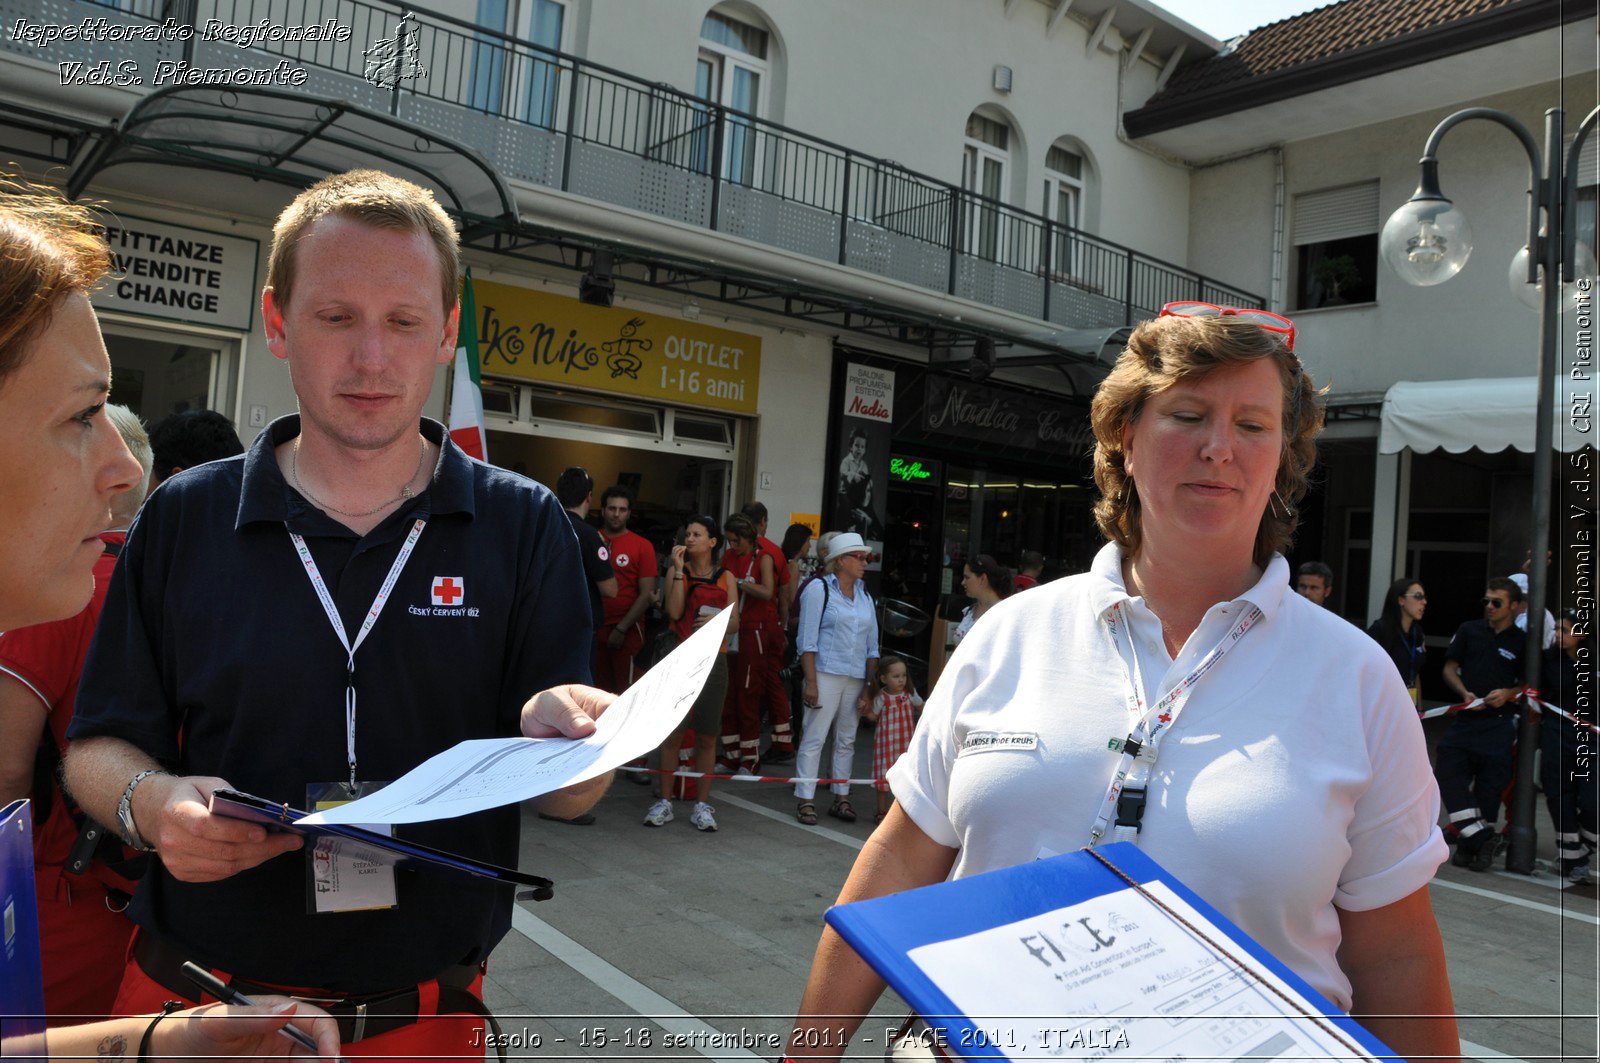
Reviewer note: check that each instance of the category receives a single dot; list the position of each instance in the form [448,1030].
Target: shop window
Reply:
[500,398]
[613,416]
[530,82]
[732,71]
[1336,246]
[701,429]
[1066,180]
[985,166]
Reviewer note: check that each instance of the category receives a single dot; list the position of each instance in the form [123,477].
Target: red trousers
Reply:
[84,944]
[614,670]
[436,1035]
[755,678]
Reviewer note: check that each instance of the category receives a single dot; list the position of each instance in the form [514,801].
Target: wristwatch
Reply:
[125,825]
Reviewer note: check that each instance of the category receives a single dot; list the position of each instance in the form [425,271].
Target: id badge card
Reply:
[343,875]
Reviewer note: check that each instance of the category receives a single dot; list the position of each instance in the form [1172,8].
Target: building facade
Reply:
[692,228]
[1304,137]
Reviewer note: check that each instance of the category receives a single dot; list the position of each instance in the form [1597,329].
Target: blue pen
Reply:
[229,995]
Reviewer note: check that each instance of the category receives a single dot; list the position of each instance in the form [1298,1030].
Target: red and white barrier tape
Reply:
[1545,706]
[1450,710]
[1528,694]
[746,778]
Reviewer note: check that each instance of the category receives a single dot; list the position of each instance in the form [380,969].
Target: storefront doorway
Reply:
[678,462]
[157,371]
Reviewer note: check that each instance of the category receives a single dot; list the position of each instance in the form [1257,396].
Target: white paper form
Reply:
[490,772]
[1115,977]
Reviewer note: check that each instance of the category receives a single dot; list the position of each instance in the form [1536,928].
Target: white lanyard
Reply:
[1148,727]
[321,587]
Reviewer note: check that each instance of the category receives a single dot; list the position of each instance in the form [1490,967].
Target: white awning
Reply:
[1487,415]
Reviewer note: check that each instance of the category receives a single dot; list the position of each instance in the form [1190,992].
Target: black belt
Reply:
[359,1016]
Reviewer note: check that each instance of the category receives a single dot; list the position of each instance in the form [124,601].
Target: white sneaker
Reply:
[702,817]
[660,814]
[1579,874]
[743,772]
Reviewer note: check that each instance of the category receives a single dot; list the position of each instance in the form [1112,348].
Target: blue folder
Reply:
[21,976]
[378,848]
[884,930]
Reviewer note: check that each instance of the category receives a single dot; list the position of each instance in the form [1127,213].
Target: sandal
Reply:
[841,809]
[806,813]
[880,817]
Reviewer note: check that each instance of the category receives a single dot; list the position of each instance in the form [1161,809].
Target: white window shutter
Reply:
[1336,213]
[1589,165]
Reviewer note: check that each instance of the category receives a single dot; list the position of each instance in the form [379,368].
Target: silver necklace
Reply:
[405,492]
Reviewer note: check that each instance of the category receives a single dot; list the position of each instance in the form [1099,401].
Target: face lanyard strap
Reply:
[321,587]
[1122,810]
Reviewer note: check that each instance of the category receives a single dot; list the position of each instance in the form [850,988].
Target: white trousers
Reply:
[838,694]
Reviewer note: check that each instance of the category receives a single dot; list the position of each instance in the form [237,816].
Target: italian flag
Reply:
[466,394]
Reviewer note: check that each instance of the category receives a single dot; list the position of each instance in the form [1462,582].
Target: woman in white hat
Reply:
[838,644]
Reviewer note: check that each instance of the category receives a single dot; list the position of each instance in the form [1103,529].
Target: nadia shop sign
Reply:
[529,334]
[990,415]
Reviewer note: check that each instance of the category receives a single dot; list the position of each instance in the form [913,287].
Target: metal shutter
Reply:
[1336,213]
[1589,164]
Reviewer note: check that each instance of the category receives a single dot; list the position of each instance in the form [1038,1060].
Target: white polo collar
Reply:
[1108,589]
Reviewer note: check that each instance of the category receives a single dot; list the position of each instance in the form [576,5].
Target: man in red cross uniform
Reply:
[313,619]
[633,560]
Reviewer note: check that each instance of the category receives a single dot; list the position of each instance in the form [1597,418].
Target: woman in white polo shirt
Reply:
[1291,787]
[838,644]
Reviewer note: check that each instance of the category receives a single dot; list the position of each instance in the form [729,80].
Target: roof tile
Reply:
[1317,35]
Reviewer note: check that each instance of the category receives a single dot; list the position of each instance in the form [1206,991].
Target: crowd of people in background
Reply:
[807,636]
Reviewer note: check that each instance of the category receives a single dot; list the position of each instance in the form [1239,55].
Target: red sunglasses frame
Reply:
[1286,329]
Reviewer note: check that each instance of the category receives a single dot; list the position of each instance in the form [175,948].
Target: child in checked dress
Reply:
[895,709]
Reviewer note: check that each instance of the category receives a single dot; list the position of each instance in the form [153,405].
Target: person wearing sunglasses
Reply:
[1398,630]
[1474,758]
[1292,789]
[1566,745]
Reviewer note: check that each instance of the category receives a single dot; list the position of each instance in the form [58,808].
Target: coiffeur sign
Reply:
[536,335]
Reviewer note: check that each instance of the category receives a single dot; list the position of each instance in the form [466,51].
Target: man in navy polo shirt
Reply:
[314,618]
[1474,759]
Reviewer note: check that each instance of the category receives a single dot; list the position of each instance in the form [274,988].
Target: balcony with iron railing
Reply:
[552,119]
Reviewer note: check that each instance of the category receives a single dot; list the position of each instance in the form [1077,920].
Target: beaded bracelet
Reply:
[167,1008]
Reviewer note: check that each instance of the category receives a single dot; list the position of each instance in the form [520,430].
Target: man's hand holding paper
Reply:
[567,712]
[599,734]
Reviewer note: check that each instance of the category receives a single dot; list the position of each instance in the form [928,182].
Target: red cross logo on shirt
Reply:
[1165,717]
[447,590]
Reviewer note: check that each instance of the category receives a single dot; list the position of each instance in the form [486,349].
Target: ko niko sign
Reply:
[179,273]
[530,334]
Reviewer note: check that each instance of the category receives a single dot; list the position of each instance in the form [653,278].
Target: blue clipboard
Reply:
[22,1018]
[884,930]
[380,848]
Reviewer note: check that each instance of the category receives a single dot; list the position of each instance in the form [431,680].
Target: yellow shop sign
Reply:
[553,339]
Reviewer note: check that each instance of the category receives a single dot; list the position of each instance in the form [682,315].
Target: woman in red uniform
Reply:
[696,591]
[757,577]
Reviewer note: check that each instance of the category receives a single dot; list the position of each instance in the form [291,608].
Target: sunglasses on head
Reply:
[1264,318]
[1494,603]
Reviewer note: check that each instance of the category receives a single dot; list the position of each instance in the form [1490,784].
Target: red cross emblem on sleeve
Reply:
[448,590]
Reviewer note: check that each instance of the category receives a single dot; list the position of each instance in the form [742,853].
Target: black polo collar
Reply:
[267,496]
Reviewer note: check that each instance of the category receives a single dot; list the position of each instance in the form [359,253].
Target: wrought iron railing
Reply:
[555,119]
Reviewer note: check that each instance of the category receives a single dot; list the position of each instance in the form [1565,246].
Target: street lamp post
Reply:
[1427,242]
